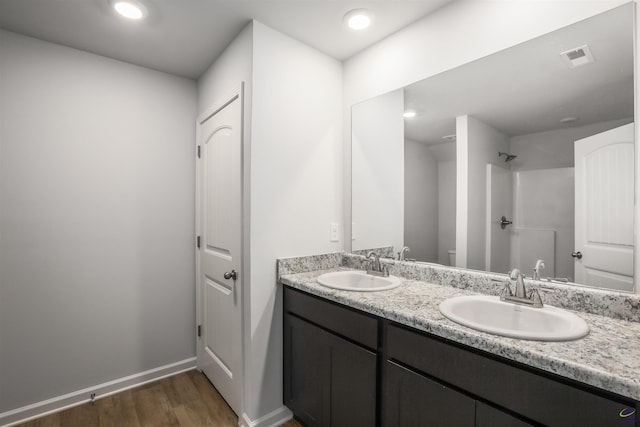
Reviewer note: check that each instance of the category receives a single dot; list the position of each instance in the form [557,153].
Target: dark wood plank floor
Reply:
[187,399]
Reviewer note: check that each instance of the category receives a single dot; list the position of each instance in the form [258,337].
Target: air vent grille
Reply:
[578,56]
[575,54]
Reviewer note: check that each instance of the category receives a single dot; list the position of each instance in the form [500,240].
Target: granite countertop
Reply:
[608,358]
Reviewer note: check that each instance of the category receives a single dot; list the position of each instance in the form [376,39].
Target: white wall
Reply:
[293,183]
[482,147]
[446,155]
[378,172]
[553,149]
[233,66]
[420,201]
[96,225]
[296,187]
[457,33]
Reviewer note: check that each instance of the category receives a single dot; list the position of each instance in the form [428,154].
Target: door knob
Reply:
[577,255]
[231,275]
[504,222]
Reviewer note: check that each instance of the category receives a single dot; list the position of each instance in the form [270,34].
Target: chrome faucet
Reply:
[536,269]
[375,267]
[521,291]
[520,296]
[405,249]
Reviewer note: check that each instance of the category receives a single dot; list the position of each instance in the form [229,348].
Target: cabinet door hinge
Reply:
[198,242]
[198,151]
[199,331]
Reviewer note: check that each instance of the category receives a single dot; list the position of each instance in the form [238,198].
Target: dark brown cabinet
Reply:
[533,395]
[329,380]
[343,367]
[412,400]
[488,416]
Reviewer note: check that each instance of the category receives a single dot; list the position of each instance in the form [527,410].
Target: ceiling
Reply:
[529,88]
[184,37]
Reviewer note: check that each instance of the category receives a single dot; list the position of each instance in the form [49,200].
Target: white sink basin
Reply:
[358,281]
[489,314]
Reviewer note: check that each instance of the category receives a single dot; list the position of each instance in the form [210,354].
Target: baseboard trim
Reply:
[272,419]
[59,403]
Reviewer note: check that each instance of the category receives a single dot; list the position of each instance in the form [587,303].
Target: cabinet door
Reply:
[306,371]
[488,416]
[328,381]
[353,384]
[411,399]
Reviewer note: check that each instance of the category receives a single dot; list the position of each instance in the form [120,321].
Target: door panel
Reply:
[219,158]
[604,208]
[219,227]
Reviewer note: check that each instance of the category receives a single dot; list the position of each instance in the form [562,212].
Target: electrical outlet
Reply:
[333,234]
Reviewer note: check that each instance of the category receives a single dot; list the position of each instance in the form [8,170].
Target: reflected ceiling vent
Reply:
[449,138]
[578,56]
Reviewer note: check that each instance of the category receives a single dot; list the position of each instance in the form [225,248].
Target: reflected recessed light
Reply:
[409,114]
[568,120]
[130,9]
[358,19]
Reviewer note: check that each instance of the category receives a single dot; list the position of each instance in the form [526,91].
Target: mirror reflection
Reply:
[522,159]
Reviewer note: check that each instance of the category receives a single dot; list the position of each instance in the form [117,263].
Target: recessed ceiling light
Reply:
[130,9]
[409,114]
[358,19]
[568,120]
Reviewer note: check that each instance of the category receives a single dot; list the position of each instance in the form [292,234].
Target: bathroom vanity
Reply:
[390,358]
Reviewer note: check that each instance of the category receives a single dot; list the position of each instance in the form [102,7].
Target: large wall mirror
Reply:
[521,158]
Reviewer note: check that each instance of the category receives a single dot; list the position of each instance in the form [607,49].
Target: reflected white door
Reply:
[604,209]
[499,204]
[219,227]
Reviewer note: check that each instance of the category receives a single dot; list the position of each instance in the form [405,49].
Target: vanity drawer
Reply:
[351,324]
[541,397]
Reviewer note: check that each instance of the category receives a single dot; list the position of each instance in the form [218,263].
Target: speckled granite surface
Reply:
[384,252]
[607,358]
[308,263]
[618,305]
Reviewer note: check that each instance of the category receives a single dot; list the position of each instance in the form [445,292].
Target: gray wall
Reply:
[96,226]
[554,148]
[420,201]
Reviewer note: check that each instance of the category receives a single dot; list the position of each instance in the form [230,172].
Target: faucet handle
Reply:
[535,297]
[385,270]
[506,292]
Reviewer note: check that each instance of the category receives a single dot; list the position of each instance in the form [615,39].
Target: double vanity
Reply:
[415,352]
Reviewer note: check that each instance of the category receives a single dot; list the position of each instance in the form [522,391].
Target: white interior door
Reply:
[219,256]
[604,209]
[499,203]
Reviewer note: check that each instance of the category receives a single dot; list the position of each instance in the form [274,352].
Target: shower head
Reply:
[507,157]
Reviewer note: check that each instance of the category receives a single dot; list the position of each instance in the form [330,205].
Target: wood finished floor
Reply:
[186,399]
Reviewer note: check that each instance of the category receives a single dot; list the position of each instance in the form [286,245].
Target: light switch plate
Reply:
[334,233]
